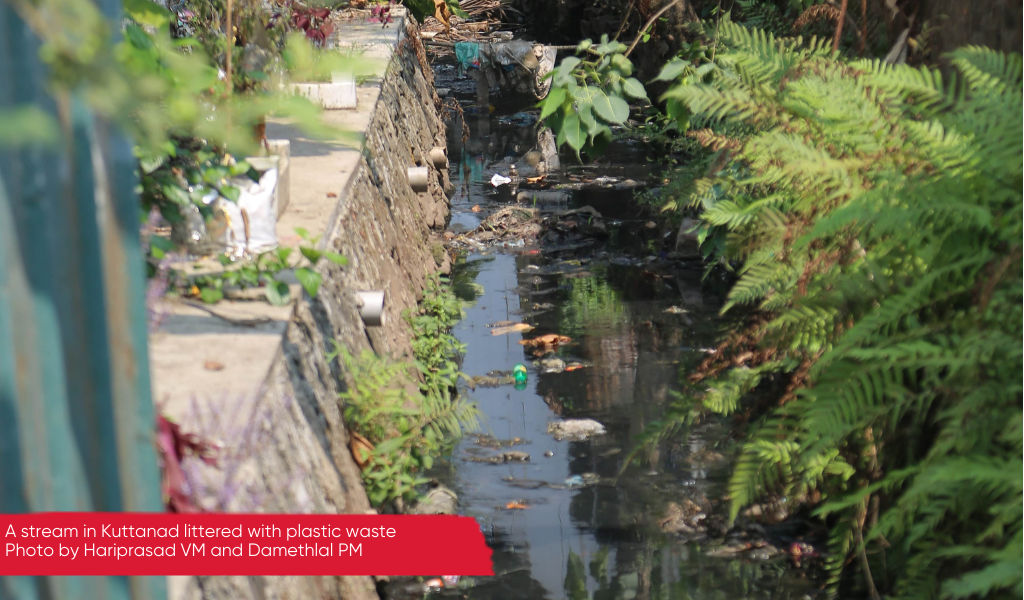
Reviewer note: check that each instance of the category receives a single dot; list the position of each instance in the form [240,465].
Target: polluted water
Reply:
[587,514]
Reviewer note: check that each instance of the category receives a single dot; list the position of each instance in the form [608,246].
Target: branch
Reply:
[650,22]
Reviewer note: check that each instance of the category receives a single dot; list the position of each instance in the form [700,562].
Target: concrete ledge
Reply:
[330,96]
[257,376]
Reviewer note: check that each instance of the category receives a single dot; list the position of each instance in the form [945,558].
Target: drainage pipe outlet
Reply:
[371,308]
[419,178]
[439,156]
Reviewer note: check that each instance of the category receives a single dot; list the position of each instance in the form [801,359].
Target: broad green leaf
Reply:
[159,246]
[240,168]
[554,101]
[676,109]
[277,293]
[230,192]
[311,253]
[634,89]
[587,117]
[672,70]
[336,258]
[175,194]
[575,135]
[210,295]
[611,109]
[622,63]
[138,37]
[310,281]
[214,175]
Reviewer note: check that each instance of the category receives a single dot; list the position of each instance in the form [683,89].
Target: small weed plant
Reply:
[409,410]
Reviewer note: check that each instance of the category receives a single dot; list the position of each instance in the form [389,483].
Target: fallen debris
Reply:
[683,519]
[545,344]
[576,430]
[438,501]
[506,329]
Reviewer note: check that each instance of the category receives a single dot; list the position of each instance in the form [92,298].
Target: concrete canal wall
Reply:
[257,377]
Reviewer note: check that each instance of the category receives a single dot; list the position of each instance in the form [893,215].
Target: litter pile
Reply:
[510,226]
[517,65]
[574,225]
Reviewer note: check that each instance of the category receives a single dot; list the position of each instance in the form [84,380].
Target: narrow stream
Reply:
[566,524]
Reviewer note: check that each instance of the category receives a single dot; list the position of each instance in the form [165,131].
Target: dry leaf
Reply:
[511,329]
[551,339]
[331,195]
[212,365]
[536,179]
[442,14]
[517,505]
[476,208]
[361,449]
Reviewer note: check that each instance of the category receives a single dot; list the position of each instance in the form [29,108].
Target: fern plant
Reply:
[873,214]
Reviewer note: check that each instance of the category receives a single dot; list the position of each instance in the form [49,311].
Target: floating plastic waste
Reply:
[499,180]
[520,375]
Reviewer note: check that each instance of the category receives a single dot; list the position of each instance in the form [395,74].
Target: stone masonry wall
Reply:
[299,459]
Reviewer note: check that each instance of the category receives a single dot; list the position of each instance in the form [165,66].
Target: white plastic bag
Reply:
[499,180]
[253,219]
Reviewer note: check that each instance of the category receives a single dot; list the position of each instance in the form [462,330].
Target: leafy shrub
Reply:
[874,213]
[409,411]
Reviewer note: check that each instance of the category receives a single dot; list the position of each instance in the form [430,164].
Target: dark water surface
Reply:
[602,539]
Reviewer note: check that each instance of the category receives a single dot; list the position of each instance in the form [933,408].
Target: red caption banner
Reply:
[229,544]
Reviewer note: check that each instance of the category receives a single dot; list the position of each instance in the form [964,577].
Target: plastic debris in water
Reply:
[499,180]
[574,481]
[450,580]
[435,583]
[520,374]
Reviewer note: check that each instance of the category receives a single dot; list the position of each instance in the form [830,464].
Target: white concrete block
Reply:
[340,94]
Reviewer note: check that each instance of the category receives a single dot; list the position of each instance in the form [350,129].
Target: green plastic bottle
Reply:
[520,375]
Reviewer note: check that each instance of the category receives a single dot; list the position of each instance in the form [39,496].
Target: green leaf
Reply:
[336,258]
[240,168]
[554,101]
[575,136]
[159,246]
[612,110]
[676,110]
[312,254]
[277,293]
[175,194]
[587,118]
[622,63]
[672,70]
[310,280]
[302,232]
[210,295]
[138,37]
[634,89]
[230,192]
[390,445]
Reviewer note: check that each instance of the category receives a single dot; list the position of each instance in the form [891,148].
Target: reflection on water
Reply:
[593,526]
